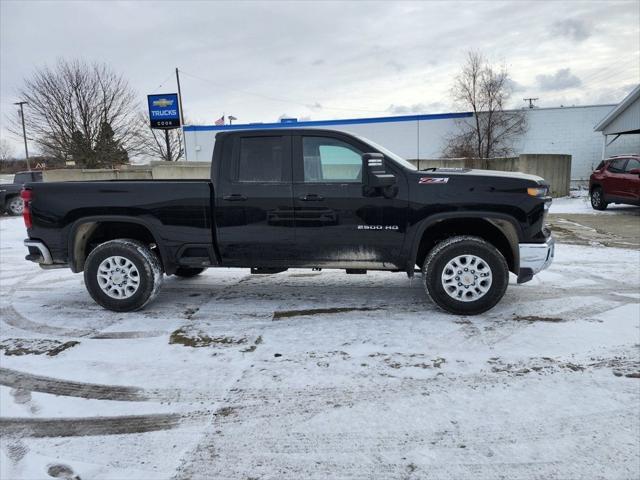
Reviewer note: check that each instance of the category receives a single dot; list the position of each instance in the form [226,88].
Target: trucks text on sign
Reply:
[164,110]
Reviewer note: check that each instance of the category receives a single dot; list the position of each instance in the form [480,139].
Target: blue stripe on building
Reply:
[327,123]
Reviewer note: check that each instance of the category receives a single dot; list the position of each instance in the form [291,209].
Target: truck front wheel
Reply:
[122,275]
[465,275]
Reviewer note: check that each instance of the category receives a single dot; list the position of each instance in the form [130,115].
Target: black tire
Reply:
[14,206]
[445,252]
[149,274]
[597,199]
[188,272]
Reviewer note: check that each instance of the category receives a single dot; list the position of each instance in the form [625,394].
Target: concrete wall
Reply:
[566,130]
[153,171]
[555,169]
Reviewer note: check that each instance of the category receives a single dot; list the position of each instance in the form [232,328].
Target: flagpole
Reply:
[184,139]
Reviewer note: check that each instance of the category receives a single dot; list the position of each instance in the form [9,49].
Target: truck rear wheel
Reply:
[465,275]
[122,275]
[14,206]
[188,272]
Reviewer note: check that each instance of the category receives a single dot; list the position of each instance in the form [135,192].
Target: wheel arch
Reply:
[500,231]
[84,233]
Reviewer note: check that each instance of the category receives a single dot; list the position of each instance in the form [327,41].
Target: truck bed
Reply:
[176,212]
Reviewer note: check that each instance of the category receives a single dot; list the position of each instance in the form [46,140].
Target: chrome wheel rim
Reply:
[16,206]
[467,278]
[118,277]
[595,198]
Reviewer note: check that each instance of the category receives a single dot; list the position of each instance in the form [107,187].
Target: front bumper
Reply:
[535,257]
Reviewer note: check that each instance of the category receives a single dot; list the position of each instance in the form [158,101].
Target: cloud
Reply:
[571,28]
[315,106]
[514,86]
[318,62]
[561,80]
[415,108]
[397,66]
[285,61]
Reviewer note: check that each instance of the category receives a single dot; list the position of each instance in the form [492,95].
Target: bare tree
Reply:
[75,107]
[152,142]
[492,131]
[6,150]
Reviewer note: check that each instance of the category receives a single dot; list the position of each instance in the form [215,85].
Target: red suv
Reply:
[616,180]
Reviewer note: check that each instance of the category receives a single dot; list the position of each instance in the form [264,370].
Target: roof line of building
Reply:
[621,107]
[318,123]
[355,121]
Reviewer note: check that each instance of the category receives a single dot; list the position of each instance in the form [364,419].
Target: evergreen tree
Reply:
[108,151]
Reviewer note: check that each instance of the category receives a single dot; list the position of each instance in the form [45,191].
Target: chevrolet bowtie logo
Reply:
[162,102]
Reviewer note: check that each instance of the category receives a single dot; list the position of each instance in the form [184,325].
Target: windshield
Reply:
[396,158]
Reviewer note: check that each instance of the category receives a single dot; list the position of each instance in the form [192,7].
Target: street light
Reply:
[231,119]
[24,133]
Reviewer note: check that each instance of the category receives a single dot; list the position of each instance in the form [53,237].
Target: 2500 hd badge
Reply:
[285,198]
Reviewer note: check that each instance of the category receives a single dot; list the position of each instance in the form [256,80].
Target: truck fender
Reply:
[82,226]
[506,224]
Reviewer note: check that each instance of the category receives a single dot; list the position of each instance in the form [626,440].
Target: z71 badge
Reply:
[425,180]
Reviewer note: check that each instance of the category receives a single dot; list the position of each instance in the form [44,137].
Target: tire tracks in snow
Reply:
[10,316]
[85,426]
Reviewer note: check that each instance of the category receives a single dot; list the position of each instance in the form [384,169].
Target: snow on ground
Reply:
[579,202]
[321,375]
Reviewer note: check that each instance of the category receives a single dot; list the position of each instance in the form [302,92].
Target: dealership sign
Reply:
[164,111]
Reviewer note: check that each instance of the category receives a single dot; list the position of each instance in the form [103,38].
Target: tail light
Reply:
[26,196]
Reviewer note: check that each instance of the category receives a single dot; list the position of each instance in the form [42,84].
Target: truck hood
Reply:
[468,172]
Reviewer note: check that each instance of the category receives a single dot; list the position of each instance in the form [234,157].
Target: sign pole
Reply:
[184,140]
[24,134]
[166,138]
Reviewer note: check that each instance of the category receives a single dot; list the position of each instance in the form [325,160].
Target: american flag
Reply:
[220,121]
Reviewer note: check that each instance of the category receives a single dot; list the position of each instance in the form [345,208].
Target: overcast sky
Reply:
[259,61]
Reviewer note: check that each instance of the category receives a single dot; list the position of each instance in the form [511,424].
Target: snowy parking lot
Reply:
[323,375]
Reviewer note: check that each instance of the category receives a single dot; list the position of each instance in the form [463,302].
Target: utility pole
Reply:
[531,100]
[24,133]
[184,139]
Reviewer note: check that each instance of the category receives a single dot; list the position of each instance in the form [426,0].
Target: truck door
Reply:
[254,201]
[337,226]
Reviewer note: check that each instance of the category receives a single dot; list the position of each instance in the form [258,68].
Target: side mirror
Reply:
[374,174]
[635,171]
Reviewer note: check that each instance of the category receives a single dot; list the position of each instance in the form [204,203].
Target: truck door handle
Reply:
[311,197]
[235,197]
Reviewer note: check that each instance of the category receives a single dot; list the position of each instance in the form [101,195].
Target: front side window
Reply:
[261,159]
[617,165]
[330,160]
[631,164]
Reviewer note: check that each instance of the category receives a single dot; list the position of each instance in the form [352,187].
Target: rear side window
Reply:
[631,164]
[261,159]
[21,178]
[330,160]
[617,165]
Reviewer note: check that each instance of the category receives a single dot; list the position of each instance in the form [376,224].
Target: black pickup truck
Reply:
[10,201]
[297,198]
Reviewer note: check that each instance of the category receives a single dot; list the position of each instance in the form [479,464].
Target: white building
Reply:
[562,130]
[623,125]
